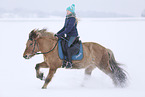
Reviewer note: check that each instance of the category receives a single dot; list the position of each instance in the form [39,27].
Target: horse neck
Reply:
[46,44]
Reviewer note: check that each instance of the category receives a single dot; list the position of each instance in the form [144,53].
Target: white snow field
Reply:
[124,36]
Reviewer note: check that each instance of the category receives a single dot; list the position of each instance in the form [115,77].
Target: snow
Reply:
[124,36]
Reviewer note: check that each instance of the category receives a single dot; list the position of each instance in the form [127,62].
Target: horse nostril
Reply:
[25,56]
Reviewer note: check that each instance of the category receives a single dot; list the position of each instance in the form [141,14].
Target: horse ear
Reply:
[35,34]
[34,30]
[38,35]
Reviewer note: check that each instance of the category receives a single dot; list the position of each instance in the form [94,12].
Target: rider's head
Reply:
[70,9]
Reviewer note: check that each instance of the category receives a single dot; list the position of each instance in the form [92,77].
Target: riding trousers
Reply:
[69,50]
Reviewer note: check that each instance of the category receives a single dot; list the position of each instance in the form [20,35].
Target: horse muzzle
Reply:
[27,56]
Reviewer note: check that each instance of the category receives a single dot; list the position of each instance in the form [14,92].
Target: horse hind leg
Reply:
[105,66]
[37,68]
[88,72]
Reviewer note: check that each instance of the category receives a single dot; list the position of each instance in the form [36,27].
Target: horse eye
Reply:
[31,44]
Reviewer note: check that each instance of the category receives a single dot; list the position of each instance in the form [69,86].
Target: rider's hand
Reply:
[56,35]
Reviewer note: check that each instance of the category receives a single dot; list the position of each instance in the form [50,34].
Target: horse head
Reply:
[32,44]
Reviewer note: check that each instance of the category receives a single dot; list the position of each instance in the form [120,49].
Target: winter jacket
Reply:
[69,28]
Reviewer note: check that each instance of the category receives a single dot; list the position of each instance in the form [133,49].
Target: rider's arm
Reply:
[69,27]
[61,30]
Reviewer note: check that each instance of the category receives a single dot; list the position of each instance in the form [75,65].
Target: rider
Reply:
[71,33]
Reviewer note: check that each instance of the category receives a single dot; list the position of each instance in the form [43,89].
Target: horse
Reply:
[95,55]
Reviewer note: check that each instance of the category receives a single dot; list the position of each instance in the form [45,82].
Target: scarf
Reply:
[71,15]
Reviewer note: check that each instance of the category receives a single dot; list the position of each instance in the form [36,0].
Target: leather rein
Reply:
[44,52]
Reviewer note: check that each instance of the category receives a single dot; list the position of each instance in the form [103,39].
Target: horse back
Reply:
[93,51]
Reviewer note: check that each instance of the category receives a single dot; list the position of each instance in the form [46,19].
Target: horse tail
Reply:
[118,74]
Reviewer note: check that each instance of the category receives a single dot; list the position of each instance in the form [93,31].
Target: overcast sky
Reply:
[130,7]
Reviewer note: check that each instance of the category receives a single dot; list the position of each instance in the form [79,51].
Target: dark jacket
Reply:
[69,28]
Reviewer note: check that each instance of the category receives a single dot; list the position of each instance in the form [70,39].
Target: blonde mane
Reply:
[43,33]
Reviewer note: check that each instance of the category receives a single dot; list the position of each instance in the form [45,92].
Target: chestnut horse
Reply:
[95,55]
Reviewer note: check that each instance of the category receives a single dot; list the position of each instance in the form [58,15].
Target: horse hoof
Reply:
[44,87]
[41,77]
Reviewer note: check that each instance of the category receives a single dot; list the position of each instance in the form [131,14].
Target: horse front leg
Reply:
[38,66]
[49,77]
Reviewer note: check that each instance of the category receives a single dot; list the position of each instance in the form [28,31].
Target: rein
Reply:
[44,52]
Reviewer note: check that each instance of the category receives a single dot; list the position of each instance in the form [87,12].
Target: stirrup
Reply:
[69,65]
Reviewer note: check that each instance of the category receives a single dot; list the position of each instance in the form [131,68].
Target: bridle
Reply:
[35,46]
[38,48]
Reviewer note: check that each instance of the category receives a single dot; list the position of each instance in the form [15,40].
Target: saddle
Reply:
[76,49]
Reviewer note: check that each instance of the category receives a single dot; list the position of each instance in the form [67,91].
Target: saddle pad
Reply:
[79,56]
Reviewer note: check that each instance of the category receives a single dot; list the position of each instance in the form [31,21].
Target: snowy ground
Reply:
[124,36]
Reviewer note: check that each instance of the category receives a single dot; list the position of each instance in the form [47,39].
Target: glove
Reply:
[57,35]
